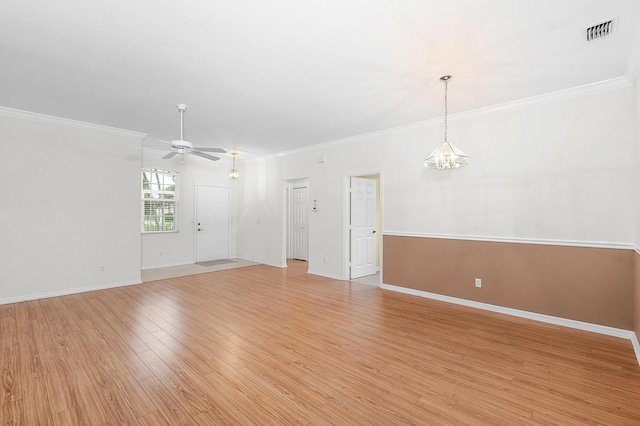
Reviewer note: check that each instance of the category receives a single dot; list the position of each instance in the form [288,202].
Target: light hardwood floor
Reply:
[263,345]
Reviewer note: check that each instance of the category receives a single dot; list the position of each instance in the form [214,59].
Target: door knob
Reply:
[374,231]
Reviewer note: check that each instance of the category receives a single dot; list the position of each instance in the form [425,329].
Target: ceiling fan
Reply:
[182,147]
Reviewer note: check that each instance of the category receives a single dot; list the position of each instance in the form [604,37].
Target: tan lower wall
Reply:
[594,285]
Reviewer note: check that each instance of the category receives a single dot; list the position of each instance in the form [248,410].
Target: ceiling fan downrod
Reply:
[182,108]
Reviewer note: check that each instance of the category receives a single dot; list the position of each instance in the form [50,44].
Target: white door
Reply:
[363,220]
[299,231]
[212,223]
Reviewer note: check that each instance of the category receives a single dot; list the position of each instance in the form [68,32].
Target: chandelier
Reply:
[447,155]
[234,173]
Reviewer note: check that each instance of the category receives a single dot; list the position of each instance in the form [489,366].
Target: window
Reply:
[159,200]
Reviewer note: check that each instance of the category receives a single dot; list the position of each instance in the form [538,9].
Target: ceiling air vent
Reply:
[601,30]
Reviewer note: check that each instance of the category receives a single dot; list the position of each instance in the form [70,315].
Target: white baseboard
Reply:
[66,292]
[595,328]
[636,346]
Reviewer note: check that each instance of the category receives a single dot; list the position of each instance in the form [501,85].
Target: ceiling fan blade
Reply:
[170,155]
[203,155]
[220,150]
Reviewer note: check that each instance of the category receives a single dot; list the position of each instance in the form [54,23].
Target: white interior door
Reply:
[299,226]
[212,223]
[363,220]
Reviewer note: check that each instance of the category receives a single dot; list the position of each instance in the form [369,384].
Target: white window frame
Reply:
[165,199]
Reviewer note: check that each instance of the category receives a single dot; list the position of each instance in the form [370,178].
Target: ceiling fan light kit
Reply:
[447,155]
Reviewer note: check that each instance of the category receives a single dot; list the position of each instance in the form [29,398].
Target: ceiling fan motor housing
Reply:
[181,144]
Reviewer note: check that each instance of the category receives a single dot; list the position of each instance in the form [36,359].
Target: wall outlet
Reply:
[478,283]
[102,269]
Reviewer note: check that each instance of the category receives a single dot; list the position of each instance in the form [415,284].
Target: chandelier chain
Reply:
[446,112]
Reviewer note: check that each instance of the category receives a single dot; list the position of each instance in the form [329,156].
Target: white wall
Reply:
[637,213]
[178,248]
[70,216]
[69,208]
[559,171]
[261,211]
[637,156]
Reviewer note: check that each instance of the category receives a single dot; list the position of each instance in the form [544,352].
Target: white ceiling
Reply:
[278,75]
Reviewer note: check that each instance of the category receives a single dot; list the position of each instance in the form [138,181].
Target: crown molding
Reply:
[631,73]
[547,98]
[66,122]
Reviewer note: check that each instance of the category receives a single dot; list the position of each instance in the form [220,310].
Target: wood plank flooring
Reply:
[263,345]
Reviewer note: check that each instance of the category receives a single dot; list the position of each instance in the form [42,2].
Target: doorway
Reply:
[363,225]
[298,219]
[212,223]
